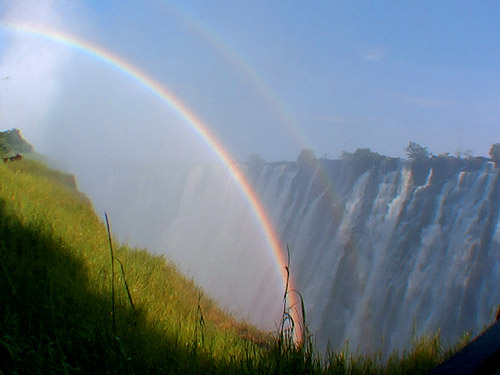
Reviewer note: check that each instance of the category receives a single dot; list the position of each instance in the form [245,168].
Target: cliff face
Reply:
[383,248]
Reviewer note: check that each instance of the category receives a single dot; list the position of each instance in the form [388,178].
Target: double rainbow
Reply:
[192,121]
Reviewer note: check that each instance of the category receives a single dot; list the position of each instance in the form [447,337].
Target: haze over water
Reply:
[264,78]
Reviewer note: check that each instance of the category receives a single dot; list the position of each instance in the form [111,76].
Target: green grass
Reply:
[57,302]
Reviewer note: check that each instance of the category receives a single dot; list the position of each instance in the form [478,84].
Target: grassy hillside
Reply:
[57,302]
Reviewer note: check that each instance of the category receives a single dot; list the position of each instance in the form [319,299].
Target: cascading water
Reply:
[384,249]
[381,249]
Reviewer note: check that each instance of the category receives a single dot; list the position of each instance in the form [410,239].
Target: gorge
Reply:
[382,249]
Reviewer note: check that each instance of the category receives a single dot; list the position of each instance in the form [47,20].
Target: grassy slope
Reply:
[55,278]
[56,300]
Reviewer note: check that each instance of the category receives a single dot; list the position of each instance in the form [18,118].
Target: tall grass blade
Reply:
[126,285]
[112,285]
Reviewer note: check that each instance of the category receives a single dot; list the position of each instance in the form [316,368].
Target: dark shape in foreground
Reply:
[480,356]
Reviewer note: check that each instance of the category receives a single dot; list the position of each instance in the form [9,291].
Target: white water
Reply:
[400,259]
[380,252]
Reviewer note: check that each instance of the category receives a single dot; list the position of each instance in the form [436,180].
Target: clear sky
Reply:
[266,77]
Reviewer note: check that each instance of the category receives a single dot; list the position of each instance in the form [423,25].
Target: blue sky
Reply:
[267,77]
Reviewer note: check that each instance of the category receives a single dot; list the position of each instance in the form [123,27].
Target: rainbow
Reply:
[244,70]
[191,120]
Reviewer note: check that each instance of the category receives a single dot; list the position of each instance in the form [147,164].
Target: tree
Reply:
[346,155]
[495,151]
[306,157]
[416,152]
[364,154]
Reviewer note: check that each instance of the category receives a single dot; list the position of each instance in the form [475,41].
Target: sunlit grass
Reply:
[56,302]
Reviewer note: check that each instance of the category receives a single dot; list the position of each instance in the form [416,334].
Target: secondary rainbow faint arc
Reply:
[244,70]
[189,118]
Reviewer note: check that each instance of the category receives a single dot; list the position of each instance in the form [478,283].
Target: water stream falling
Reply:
[381,249]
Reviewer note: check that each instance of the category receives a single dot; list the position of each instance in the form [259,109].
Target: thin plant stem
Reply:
[112,283]
[126,285]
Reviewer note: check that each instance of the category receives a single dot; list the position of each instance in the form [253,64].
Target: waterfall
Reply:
[382,249]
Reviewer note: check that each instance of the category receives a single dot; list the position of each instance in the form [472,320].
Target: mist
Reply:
[264,79]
